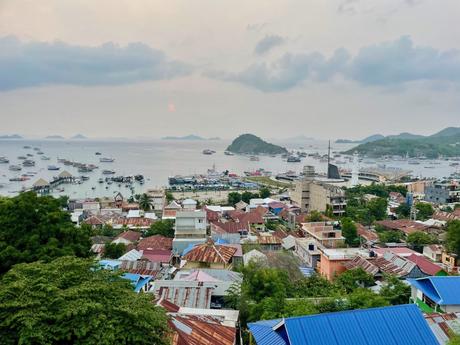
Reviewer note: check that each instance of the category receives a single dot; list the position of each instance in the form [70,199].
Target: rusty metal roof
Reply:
[141,267]
[155,242]
[210,253]
[129,235]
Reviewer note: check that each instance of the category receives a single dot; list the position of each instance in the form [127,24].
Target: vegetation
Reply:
[365,212]
[377,189]
[69,301]
[267,181]
[161,227]
[349,231]
[144,202]
[453,236]
[251,144]
[418,239]
[36,228]
[424,210]
[169,196]
[114,250]
[315,216]
[389,236]
[235,197]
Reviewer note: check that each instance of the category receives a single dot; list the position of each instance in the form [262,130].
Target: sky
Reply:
[278,69]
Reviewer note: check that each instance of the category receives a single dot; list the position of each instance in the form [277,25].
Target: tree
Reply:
[114,250]
[315,216]
[349,231]
[364,298]
[70,301]
[378,208]
[144,202]
[390,236]
[264,192]
[353,279]
[169,196]
[247,196]
[299,307]
[453,236]
[395,291]
[36,228]
[161,227]
[424,210]
[314,286]
[419,239]
[233,198]
[403,211]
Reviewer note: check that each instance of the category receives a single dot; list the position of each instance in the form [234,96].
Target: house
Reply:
[332,261]
[210,255]
[134,222]
[140,282]
[230,230]
[255,255]
[401,324]
[367,236]
[184,293]
[307,250]
[127,237]
[155,242]
[426,266]
[157,199]
[267,241]
[189,205]
[163,256]
[405,226]
[433,252]
[399,251]
[324,233]
[94,221]
[241,205]
[190,229]
[170,210]
[438,294]
[450,261]
[443,325]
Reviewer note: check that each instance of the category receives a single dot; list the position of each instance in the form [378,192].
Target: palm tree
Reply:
[144,202]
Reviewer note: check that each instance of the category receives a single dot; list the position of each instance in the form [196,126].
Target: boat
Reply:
[108,172]
[106,160]
[28,163]
[4,160]
[26,146]
[228,153]
[254,158]
[15,168]
[101,180]
[53,167]
[19,179]
[208,152]
[44,158]
[40,153]
[413,162]
[29,155]
[454,164]
[293,159]
[22,157]
[84,178]
[36,149]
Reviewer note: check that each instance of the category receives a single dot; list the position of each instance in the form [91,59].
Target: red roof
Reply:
[367,234]
[229,227]
[129,235]
[211,253]
[425,265]
[155,242]
[212,215]
[400,251]
[253,217]
[405,225]
[93,220]
[136,221]
[157,255]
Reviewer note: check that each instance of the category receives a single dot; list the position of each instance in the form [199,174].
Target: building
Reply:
[443,193]
[324,233]
[255,255]
[436,294]
[210,255]
[127,237]
[402,325]
[314,195]
[450,261]
[332,261]
[189,205]
[190,229]
[307,250]
[433,252]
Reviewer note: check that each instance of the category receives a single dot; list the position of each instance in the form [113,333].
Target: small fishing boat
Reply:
[293,159]
[108,172]
[28,163]
[22,157]
[106,160]
[254,158]
[4,160]
[208,152]
[53,167]
[228,153]
[15,168]
[44,158]
[98,153]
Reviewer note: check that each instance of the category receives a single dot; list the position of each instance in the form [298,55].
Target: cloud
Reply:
[387,64]
[268,43]
[347,7]
[25,64]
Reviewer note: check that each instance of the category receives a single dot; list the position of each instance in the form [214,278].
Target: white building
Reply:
[190,229]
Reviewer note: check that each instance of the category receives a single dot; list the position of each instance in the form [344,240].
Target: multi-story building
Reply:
[315,195]
[325,234]
[443,193]
[190,229]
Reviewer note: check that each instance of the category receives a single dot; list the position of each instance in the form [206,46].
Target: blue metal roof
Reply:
[395,325]
[307,271]
[442,290]
[137,280]
[188,248]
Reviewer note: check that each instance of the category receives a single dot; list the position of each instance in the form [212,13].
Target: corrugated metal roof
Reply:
[442,290]
[211,253]
[395,325]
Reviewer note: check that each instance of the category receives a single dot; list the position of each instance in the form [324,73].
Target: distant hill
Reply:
[186,137]
[369,139]
[12,136]
[251,144]
[214,138]
[443,143]
[79,137]
[54,137]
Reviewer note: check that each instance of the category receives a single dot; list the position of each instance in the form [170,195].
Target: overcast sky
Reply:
[148,68]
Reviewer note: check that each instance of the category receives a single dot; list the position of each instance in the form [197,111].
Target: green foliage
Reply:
[364,298]
[389,236]
[249,143]
[352,279]
[349,231]
[161,227]
[380,190]
[144,202]
[247,196]
[378,208]
[424,210]
[36,228]
[454,339]
[395,291]
[169,196]
[264,192]
[453,236]
[403,211]
[108,230]
[272,224]
[114,250]
[68,301]
[419,239]
[315,216]
[233,198]
[314,286]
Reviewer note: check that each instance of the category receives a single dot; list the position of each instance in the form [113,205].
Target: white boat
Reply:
[44,158]
[106,160]
[4,160]
[108,172]
[254,158]
[228,153]
[53,167]
[208,152]
[28,163]
[15,168]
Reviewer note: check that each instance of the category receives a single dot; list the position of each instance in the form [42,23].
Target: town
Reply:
[271,260]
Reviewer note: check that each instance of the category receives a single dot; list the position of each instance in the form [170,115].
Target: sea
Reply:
[156,160]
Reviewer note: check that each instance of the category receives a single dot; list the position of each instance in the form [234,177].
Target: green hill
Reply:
[251,144]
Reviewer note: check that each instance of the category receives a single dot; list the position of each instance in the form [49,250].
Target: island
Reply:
[444,143]
[55,137]
[12,136]
[252,144]
[369,139]
[186,137]
[79,137]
